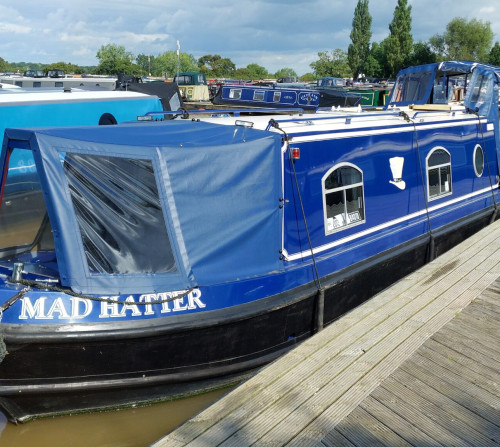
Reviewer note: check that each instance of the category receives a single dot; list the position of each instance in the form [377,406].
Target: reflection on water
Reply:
[136,427]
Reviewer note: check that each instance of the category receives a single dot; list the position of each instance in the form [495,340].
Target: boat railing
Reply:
[346,118]
[218,113]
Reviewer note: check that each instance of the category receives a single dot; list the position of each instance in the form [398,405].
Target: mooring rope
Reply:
[407,118]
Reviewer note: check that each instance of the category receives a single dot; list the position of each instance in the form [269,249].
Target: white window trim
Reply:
[325,191]
[438,167]
[478,174]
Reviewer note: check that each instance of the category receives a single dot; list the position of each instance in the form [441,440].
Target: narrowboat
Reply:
[156,259]
[282,96]
[43,107]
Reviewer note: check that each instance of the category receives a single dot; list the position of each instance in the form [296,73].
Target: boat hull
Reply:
[46,376]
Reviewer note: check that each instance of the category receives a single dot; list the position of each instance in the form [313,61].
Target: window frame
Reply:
[476,148]
[325,191]
[438,168]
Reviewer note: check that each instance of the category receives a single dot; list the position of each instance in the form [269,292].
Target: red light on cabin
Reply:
[295,153]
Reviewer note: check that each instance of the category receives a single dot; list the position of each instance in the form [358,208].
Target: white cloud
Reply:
[272,33]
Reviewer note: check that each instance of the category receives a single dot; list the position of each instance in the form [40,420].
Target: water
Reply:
[136,427]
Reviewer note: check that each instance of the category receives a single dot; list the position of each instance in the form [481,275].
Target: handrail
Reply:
[235,112]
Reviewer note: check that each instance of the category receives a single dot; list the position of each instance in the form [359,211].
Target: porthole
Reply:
[478,160]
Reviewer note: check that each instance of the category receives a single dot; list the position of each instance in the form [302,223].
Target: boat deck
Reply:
[416,365]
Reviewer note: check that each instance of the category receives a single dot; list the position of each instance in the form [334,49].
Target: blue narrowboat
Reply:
[281,96]
[153,259]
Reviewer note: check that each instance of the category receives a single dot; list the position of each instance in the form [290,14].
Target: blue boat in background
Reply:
[157,259]
[283,97]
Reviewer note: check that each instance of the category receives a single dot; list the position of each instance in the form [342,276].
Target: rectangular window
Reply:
[258,95]
[276,96]
[235,93]
[119,214]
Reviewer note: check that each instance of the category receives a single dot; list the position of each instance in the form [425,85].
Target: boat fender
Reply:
[320,309]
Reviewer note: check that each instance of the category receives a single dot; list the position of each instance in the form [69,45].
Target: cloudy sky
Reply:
[271,33]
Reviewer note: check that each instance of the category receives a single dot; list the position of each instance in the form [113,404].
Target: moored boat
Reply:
[283,97]
[143,259]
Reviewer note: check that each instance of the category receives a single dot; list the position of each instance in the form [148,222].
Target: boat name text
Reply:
[76,308]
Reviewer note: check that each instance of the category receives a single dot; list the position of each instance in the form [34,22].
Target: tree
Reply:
[400,41]
[494,58]
[255,71]
[147,64]
[359,49]
[308,77]
[114,59]
[285,73]
[335,65]
[216,66]
[166,63]
[4,66]
[422,54]
[464,40]
[66,67]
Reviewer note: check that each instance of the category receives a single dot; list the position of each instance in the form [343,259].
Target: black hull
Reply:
[49,376]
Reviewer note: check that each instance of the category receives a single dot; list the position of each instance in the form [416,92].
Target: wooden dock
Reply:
[417,365]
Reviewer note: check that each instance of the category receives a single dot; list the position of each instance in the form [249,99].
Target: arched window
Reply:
[438,173]
[343,200]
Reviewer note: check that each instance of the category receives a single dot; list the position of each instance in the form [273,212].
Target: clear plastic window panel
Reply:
[118,210]
[24,224]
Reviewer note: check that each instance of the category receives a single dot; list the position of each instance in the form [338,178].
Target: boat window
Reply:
[438,173]
[276,96]
[478,160]
[24,225]
[343,200]
[411,87]
[258,95]
[119,214]
[479,90]
[235,93]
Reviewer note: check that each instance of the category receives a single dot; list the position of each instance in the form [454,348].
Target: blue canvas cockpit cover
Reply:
[141,208]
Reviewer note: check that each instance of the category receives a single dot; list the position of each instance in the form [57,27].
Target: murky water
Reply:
[137,427]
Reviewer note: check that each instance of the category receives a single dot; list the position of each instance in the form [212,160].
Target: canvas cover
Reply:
[214,189]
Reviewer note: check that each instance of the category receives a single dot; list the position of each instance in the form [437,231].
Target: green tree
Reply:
[66,67]
[464,40]
[147,64]
[359,49]
[422,54]
[114,59]
[335,65]
[256,71]
[308,77]
[400,42]
[285,72]
[494,58]
[216,66]
[4,66]
[166,63]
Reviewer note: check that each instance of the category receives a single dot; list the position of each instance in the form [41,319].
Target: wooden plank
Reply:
[396,423]
[462,326]
[466,373]
[334,439]
[424,423]
[361,428]
[455,387]
[458,361]
[488,343]
[435,410]
[458,411]
[468,347]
